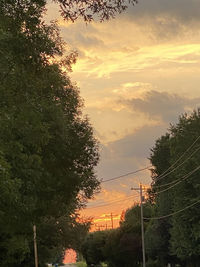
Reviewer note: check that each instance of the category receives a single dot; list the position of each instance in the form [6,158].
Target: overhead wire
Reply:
[158,178]
[177,181]
[163,185]
[164,174]
[173,183]
[173,213]
[168,169]
[126,174]
[110,203]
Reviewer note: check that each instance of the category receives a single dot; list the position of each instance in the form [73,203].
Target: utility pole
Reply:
[35,245]
[142,227]
[142,223]
[111,219]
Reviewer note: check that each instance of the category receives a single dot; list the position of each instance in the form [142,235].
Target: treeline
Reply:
[172,208]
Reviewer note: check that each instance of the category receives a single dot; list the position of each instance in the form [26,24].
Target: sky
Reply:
[136,74]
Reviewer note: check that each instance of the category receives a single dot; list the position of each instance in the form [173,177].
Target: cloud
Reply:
[182,9]
[125,155]
[149,21]
[132,151]
[79,35]
[162,20]
[162,105]
[111,195]
[138,144]
[132,89]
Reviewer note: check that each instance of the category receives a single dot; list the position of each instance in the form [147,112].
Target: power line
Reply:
[107,216]
[162,175]
[126,174]
[178,181]
[165,172]
[102,202]
[173,213]
[110,203]
[163,185]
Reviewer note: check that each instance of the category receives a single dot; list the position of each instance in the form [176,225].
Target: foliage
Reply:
[157,234]
[185,232]
[47,149]
[72,10]
[176,238]
[81,264]
[117,247]
[87,10]
[92,247]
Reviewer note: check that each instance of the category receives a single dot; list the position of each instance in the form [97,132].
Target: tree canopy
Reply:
[175,186]
[47,148]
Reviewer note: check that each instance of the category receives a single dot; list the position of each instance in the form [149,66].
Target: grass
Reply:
[81,264]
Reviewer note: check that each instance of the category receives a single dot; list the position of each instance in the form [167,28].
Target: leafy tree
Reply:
[48,151]
[176,238]
[157,235]
[79,231]
[123,245]
[112,248]
[185,232]
[9,202]
[123,249]
[93,246]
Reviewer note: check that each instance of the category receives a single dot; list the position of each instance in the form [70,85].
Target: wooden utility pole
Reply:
[142,223]
[142,227]
[111,219]
[35,245]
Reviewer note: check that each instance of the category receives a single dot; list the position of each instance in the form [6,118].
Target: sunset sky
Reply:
[137,74]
